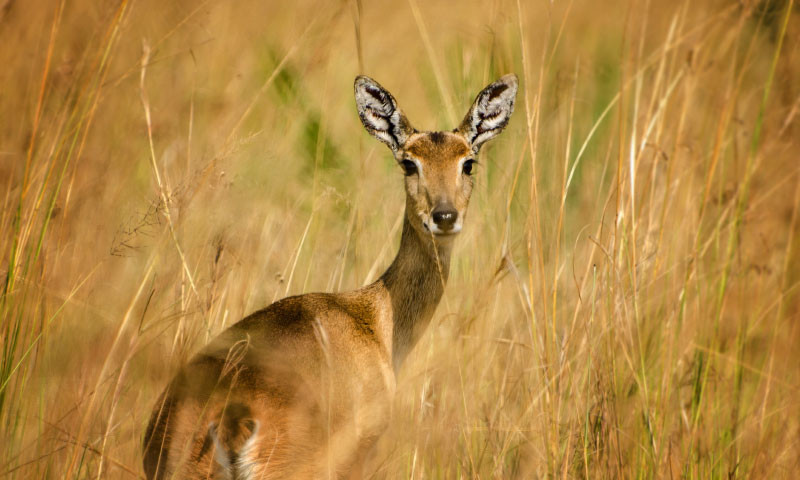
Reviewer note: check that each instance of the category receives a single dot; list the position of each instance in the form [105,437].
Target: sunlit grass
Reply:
[623,301]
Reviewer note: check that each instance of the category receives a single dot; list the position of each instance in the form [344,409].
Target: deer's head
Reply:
[438,166]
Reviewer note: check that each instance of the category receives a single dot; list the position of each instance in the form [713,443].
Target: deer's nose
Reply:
[444,216]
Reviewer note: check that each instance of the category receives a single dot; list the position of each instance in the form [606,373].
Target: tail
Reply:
[234,437]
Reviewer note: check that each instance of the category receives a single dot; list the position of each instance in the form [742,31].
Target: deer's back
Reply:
[307,381]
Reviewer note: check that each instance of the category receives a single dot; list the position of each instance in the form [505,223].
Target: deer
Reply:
[304,387]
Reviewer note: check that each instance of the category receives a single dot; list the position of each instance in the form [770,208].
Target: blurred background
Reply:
[623,301]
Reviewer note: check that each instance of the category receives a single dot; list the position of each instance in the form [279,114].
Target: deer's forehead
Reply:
[438,146]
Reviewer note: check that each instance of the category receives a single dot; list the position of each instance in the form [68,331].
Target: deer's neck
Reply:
[415,282]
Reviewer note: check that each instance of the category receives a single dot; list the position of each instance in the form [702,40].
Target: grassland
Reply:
[623,302]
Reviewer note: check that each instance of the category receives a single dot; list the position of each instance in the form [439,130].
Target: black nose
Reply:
[445,217]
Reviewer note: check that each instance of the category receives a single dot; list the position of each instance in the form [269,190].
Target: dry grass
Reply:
[623,302]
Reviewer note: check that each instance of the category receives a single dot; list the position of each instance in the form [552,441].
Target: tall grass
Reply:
[624,298]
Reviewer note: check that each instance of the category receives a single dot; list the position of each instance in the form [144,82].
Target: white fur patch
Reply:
[244,463]
[220,453]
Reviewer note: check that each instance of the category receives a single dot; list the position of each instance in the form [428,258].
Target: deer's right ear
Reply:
[490,112]
[380,114]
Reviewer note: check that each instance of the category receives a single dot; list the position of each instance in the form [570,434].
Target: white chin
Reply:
[443,233]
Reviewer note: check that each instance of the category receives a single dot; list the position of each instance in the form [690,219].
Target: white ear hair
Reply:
[490,112]
[380,114]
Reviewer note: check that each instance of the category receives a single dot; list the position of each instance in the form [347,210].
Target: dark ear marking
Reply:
[490,112]
[380,114]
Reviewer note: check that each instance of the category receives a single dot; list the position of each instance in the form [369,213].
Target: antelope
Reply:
[303,388]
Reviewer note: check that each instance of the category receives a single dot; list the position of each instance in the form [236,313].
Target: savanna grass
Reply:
[623,300]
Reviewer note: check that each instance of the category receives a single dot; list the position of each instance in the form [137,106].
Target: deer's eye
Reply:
[409,167]
[467,168]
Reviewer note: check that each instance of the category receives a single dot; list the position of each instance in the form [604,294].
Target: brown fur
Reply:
[308,381]
[440,183]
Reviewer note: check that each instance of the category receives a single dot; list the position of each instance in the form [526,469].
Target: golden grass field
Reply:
[624,301]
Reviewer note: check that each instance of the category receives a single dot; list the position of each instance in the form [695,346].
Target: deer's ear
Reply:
[380,114]
[490,112]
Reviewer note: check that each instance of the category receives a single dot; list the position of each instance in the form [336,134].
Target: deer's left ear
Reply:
[490,112]
[380,114]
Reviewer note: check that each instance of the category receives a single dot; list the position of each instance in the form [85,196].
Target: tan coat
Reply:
[304,387]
